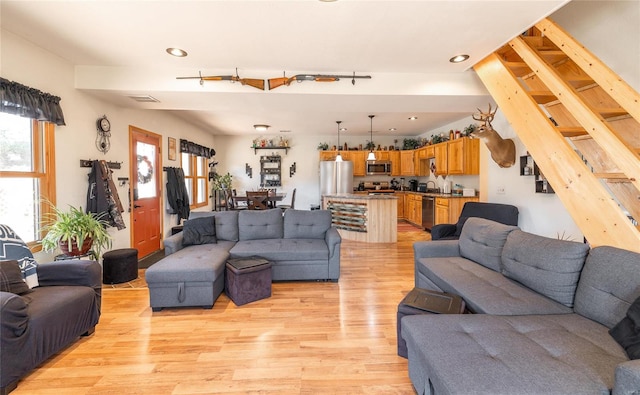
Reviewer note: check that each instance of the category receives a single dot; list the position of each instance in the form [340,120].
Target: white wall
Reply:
[32,66]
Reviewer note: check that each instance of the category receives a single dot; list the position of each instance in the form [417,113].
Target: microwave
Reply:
[378,167]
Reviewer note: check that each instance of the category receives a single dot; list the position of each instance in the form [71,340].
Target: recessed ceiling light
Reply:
[413,118]
[261,128]
[392,129]
[459,58]
[328,1]
[343,129]
[180,53]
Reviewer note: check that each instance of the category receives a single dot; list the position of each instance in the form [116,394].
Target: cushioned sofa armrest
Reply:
[441,231]
[71,272]
[173,244]
[334,241]
[441,248]
[13,315]
[627,379]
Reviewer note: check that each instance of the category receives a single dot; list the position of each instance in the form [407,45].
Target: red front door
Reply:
[145,192]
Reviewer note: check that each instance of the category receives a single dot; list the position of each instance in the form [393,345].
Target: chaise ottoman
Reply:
[248,279]
[193,277]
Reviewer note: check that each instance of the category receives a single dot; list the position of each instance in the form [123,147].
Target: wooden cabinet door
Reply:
[417,207]
[442,211]
[440,152]
[400,197]
[463,156]
[394,157]
[359,163]
[406,163]
[328,155]
[382,155]
[455,156]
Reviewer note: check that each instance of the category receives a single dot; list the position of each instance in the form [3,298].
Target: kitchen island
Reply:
[366,218]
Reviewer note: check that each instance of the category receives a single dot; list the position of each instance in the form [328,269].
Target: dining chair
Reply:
[292,204]
[232,203]
[258,200]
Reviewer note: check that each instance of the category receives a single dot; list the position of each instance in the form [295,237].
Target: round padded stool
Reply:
[119,266]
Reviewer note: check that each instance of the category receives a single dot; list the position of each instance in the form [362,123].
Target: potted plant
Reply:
[76,232]
[323,146]
[221,182]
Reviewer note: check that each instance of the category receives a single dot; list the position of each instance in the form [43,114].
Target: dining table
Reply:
[271,199]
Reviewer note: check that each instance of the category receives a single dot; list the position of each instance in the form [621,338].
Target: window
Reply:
[195,176]
[27,174]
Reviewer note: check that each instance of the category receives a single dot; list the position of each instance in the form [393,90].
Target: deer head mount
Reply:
[503,151]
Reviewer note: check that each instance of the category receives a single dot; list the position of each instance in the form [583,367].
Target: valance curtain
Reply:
[196,149]
[28,102]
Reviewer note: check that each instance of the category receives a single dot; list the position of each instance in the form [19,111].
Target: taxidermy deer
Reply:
[503,151]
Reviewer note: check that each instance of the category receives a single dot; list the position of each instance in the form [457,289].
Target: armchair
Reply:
[40,322]
[503,213]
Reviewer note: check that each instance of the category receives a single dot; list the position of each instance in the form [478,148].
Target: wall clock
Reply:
[103,124]
[104,132]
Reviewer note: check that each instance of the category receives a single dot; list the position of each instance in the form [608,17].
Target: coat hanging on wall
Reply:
[177,195]
[102,195]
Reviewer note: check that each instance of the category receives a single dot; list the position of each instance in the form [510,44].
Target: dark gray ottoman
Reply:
[120,266]
[248,279]
[424,301]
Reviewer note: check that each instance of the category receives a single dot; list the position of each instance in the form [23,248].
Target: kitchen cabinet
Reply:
[328,155]
[382,155]
[359,161]
[440,154]
[407,167]
[442,211]
[400,197]
[463,156]
[413,208]
[394,157]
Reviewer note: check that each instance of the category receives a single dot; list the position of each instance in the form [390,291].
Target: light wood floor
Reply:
[308,338]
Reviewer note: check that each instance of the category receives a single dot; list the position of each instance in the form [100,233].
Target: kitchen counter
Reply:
[366,218]
[431,194]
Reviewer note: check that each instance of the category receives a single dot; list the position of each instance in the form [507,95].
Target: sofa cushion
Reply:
[11,278]
[627,331]
[199,231]
[260,224]
[608,284]
[482,240]
[549,266]
[535,354]
[484,290]
[12,247]
[282,249]
[226,223]
[306,224]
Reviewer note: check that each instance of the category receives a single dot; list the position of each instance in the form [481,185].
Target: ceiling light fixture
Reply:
[371,155]
[413,118]
[392,129]
[261,128]
[459,58]
[338,157]
[180,53]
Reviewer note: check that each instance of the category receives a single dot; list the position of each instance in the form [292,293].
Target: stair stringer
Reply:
[590,205]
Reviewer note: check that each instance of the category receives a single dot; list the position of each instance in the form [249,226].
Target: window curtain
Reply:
[196,149]
[28,102]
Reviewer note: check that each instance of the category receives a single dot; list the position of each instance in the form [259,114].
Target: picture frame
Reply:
[172,148]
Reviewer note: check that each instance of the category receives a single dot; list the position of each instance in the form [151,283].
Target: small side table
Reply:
[425,301]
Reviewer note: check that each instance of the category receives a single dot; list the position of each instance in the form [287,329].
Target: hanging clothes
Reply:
[102,195]
[177,195]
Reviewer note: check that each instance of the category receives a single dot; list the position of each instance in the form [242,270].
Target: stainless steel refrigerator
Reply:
[336,178]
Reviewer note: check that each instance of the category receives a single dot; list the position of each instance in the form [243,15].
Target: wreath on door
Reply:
[144,175]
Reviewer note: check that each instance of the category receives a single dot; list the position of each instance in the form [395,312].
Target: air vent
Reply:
[144,99]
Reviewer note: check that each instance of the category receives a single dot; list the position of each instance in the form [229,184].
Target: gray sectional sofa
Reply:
[301,245]
[544,310]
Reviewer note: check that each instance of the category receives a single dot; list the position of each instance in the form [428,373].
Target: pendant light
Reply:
[371,155]
[338,157]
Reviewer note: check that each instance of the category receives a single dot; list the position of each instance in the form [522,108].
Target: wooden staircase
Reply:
[581,124]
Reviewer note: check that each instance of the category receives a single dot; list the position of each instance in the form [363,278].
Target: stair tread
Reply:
[572,131]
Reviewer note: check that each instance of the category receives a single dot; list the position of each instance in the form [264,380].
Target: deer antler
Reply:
[485,117]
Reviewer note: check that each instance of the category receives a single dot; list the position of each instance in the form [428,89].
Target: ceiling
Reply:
[118,48]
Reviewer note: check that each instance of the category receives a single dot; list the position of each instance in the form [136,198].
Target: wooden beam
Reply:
[621,92]
[621,153]
[592,208]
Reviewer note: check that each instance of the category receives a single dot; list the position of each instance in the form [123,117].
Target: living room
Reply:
[30,64]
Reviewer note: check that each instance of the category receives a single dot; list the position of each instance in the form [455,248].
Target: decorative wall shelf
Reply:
[255,149]
[528,167]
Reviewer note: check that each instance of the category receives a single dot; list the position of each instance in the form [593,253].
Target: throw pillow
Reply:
[627,331]
[11,278]
[12,247]
[199,231]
